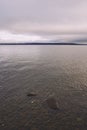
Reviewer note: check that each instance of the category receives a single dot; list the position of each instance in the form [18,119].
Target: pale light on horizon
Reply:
[6,36]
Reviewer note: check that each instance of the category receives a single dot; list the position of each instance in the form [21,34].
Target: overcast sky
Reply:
[44,16]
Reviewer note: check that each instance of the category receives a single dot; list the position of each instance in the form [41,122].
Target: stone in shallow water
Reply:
[3,125]
[52,103]
[31,94]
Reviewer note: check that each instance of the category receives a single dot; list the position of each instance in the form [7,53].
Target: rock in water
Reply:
[31,95]
[52,103]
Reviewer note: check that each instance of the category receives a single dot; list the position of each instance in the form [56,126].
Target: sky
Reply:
[38,20]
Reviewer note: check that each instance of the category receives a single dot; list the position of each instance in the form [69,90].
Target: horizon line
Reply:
[43,43]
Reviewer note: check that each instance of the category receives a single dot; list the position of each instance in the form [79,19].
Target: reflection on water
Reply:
[14,52]
[59,71]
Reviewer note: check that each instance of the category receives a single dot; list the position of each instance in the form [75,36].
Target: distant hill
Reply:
[48,43]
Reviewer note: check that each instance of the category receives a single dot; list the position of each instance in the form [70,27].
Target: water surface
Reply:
[49,71]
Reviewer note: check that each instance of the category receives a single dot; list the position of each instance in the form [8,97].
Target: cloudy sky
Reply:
[41,18]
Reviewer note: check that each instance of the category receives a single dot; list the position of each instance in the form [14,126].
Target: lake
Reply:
[48,71]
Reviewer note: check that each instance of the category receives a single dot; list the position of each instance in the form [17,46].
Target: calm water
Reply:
[48,71]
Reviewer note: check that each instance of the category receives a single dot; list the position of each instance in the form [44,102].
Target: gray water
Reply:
[48,71]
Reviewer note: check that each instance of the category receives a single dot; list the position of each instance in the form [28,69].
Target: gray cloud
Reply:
[57,16]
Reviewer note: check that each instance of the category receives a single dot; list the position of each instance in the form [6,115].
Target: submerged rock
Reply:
[52,103]
[3,124]
[31,94]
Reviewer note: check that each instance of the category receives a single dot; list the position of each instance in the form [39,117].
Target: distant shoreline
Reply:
[42,44]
